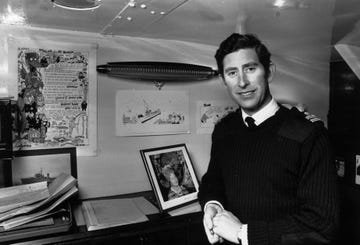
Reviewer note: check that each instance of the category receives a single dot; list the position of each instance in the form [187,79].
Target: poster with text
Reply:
[55,86]
[209,112]
[144,112]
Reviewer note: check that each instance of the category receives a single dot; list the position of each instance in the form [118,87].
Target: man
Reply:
[269,183]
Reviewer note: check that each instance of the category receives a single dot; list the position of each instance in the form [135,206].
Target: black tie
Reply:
[250,122]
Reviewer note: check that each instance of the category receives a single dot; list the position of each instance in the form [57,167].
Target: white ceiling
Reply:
[201,21]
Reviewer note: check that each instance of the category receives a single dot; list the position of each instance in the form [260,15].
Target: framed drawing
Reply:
[55,85]
[171,175]
[357,169]
[145,112]
[31,166]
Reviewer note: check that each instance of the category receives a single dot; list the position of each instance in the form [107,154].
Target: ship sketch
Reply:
[149,113]
[38,177]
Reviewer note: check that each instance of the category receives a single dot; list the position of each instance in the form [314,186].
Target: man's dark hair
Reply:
[238,41]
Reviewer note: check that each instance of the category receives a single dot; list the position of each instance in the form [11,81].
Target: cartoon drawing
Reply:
[212,113]
[53,87]
[208,113]
[151,112]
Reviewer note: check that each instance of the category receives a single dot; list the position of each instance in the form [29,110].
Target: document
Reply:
[145,206]
[42,213]
[105,213]
[61,185]
[21,195]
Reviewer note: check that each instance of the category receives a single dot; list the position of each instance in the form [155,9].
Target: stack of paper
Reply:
[190,208]
[17,196]
[27,209]
[104,213]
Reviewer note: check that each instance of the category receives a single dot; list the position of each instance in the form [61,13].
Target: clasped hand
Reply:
[220,224]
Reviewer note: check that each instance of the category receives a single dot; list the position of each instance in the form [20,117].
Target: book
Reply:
[37,223]
[105,213]
[42,213]
[21,195]
[61,189]
[62,184]
[59,221]
[79,217]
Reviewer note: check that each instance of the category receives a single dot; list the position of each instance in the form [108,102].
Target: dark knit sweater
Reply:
[279,178]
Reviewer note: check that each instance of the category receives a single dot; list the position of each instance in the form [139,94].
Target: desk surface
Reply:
[160,229]
[159,225]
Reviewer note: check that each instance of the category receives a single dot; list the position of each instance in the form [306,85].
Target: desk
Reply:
[160,229]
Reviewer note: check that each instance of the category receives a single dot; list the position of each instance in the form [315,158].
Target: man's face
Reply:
[244,77]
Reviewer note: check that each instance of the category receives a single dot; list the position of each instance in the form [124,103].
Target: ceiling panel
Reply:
[199,21]
[42,13]
[202,21]
[136,17]
[191,20]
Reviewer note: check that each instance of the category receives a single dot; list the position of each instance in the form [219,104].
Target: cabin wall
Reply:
[118,167]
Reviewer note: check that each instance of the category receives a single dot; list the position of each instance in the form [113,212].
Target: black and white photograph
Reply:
[171,174]
[194,122]
[357,169]
[33,166]
[340,166]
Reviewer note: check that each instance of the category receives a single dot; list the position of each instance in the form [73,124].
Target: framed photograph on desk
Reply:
[171,175]
[31,166]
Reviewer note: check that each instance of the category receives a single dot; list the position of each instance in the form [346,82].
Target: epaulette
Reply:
[296,128]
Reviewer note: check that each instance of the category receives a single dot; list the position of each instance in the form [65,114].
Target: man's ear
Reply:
[222,79]
[272,70]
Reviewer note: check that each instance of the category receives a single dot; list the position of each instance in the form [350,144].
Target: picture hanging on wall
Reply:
[340,166]
[171,175]
[357,169]
[42,165]
[55,86]
[209,112]
[142,112]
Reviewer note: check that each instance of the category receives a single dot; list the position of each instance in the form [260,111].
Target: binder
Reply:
[62,222]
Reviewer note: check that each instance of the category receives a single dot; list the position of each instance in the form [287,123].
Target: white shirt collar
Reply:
[260,116]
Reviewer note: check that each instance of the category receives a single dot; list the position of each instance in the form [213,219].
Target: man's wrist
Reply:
[213,202]
[239,235]
[242,235]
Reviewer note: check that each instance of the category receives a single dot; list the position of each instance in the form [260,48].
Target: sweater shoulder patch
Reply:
[296,129]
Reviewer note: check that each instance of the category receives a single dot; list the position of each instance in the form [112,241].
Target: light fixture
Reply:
[279,3]
[77,4]
[289,4]
[13,16]
[132,4]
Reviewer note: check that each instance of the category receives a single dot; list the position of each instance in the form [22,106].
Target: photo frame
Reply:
[340,166]
[357,169]
[29,166]
[171,175]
